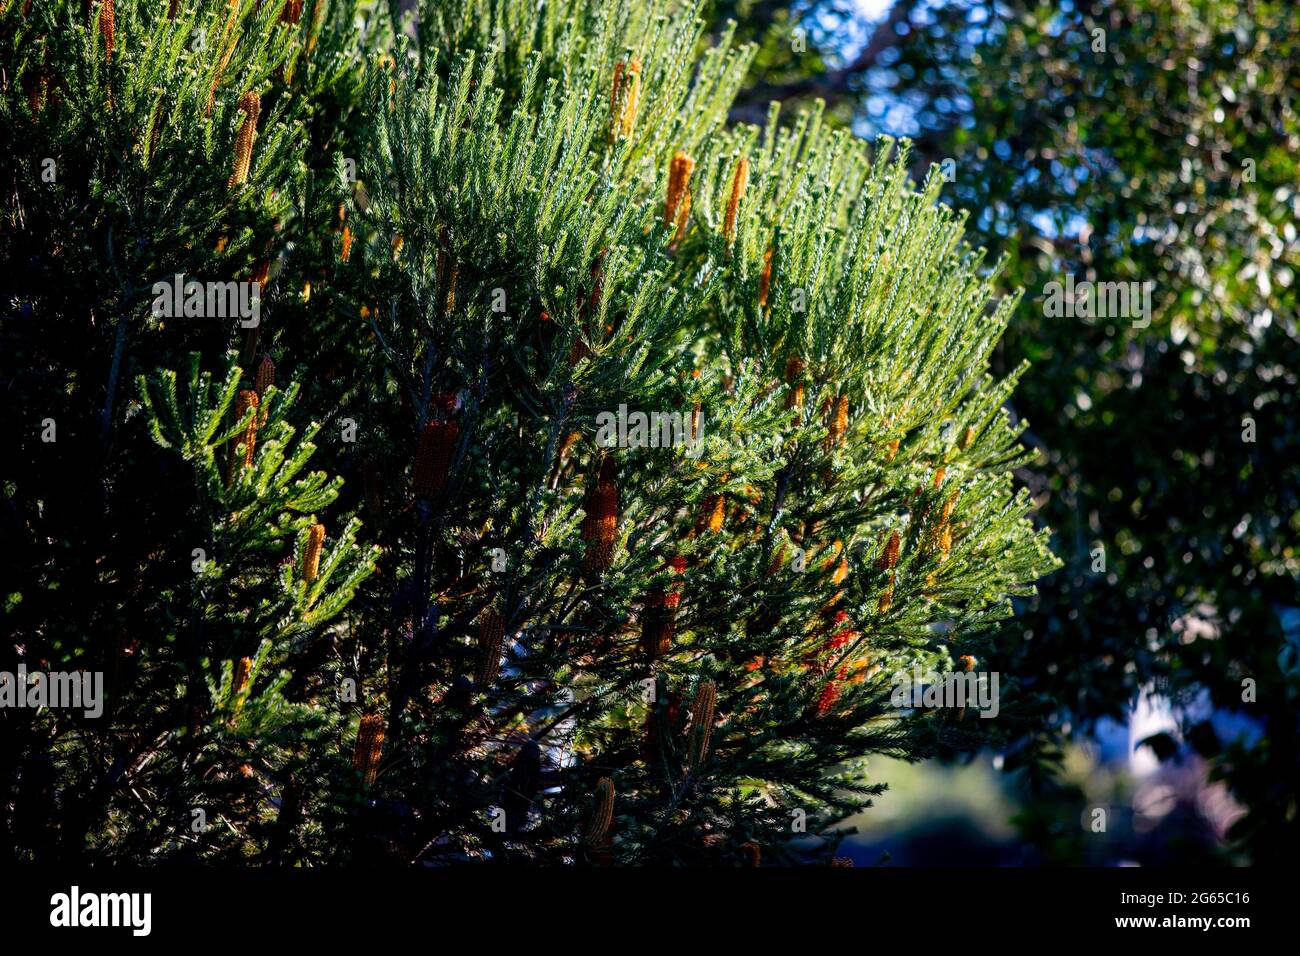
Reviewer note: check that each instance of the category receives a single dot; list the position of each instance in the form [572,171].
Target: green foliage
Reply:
[713,626]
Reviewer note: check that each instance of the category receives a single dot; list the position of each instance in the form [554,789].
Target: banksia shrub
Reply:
[491,637]
[602,814]
[311,554]
[250,104]
[369,747]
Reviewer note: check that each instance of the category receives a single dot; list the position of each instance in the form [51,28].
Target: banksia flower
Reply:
[948,506]
[945,540]
[889,553]
[311,555]
[739,183]
[246,401]
[491,636]
[845,635]
[265,376]
[679,178]
[602,813]
[600,525]
[753,854]
[842,861]
[839,423]
[794,368]
[658,624]
[291,13]
[892,450]
[624,97]
[765,280]
[107,26]
[887,596]
[683,216]
[228,46]
[243,667]
[967,437]
[369,745]
[346,252]
[250,104]
[829,697]
[702,722]
[940,475]
[433,457]
[713,512]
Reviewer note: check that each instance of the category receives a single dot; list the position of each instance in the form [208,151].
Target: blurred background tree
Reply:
[1134,141]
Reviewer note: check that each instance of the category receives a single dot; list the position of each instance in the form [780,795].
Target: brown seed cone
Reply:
[753,853]
[433,458]
[107,26]
[491,637]
[602,814]
[265,376]
[250,104]
[311,556]
[679,177]
[702,722]
[739,183]
[369,746]
[246,400]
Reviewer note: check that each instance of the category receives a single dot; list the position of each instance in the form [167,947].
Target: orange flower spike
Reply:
[739,183]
